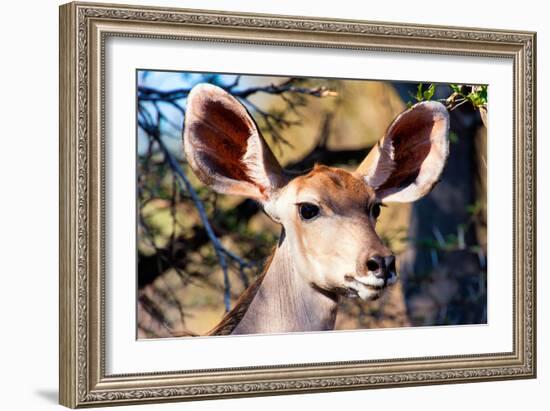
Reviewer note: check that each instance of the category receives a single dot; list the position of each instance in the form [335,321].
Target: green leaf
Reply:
[419,92]
[455,88]
[478,96]
[483,92]
[475,99]
[428,94]
[474,208]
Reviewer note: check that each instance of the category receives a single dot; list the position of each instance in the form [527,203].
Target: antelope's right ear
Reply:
[408,161]
[224,147]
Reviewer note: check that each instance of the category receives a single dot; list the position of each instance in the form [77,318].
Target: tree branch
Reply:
[185,185]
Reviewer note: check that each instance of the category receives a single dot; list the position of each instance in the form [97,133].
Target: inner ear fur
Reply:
[408,161]
[224,147]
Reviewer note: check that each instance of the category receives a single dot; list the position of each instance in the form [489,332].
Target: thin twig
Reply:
[185,185]
[151,94]
[273,122]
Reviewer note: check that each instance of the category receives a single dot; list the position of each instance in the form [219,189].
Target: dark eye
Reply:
[308,211]
[375,210]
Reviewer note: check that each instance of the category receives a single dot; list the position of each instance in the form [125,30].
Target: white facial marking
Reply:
[370,287]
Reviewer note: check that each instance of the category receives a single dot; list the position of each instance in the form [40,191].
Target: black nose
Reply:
[381,267]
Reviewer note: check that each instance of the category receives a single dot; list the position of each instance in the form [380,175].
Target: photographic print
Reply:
[273,204]
[245,192]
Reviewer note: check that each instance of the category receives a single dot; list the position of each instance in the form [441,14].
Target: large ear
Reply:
[225,148]
[407,162]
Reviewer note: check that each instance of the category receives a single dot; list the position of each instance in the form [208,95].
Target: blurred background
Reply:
[198,250]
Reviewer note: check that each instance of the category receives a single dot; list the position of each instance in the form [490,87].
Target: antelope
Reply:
[328,248]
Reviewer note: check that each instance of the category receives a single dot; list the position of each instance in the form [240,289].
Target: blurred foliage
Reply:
[423,94]
[477,95]
[198,251]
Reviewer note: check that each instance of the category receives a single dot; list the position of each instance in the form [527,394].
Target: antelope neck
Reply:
[285,301]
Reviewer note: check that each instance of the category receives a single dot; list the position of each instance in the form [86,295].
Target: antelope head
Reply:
[329,214]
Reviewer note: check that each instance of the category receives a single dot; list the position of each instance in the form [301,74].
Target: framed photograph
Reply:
[259,204]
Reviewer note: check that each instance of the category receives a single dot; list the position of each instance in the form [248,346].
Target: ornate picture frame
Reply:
[84,30]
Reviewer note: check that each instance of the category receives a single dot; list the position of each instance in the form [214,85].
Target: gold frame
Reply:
[83,30]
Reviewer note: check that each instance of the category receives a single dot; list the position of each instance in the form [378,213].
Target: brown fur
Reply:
[225,149]
[285,301]
[339,190]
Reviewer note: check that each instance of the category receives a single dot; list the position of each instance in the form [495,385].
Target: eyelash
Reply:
[376,210]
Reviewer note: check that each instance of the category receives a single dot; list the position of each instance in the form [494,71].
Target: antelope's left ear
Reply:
[407,162]
[224,147]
